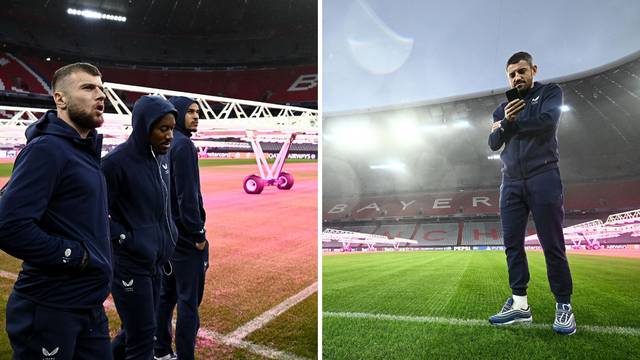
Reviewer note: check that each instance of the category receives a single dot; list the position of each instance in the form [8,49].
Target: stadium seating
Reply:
[481,233]
[294,84]
[404,231]
[603,196]
[464,233]
[437,234]
[367,229]
[16,76]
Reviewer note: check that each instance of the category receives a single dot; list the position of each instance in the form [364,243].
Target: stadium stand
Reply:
[449,186]
[291,85]
[367,229]
[481,233]
[600,196]
[438,234]
[404,231]
[16,76]
[464,233]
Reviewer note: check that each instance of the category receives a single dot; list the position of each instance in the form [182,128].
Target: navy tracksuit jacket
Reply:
[531,183]
[185,286]
[54,210]
[142,228]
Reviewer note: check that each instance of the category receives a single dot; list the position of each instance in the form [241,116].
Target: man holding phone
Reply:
[527,125]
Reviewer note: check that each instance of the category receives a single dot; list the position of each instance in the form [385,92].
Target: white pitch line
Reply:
[255,324]
[261,350]
[615,330]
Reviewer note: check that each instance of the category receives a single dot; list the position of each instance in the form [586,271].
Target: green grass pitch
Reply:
[293,331]
[473,285]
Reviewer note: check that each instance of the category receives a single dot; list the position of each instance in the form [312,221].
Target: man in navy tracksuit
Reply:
[531,182]
[185,286]
[142,228]
[53,216]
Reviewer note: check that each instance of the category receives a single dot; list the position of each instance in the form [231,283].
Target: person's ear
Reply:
[60,99]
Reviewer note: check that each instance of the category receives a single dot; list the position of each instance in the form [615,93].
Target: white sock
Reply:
[520,302]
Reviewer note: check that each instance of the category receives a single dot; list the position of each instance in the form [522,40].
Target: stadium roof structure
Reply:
[443,146]
[223,118]
[168,33]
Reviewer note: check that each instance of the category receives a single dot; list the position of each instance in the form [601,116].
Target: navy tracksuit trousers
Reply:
[41,332]
[184,287]
[135,295]
[542,196]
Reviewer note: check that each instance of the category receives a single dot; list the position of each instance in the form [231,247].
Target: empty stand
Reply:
[602,196]
[275,85]
[481,233]
[404,231]
[438,234]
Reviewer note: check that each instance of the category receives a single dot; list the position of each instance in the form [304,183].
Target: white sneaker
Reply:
[166,357]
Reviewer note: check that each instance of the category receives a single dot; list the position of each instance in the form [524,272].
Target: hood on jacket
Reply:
[51,124]
[182,103]
[146,111]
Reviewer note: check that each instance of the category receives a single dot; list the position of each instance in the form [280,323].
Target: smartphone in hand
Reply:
[512,94]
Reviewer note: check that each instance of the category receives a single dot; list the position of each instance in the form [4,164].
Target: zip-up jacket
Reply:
[53,210]
[530,142]
[186,198]
[138,183]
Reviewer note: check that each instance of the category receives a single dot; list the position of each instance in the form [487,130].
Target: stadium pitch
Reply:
[435,304]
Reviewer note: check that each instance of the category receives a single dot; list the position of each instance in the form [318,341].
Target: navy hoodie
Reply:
[530,142]
[54,210]
[186,198]
[138,184]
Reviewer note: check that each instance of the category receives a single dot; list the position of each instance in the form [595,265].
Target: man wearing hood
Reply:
[53,216]
[185,286]
[527,127]
[142,229]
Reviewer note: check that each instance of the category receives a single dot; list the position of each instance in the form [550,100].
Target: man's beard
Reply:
[82,119]
[524,91]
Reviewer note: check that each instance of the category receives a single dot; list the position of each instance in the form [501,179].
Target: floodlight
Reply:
[90,14]
[392,166]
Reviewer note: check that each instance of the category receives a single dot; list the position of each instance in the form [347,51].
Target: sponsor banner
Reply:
[308,156]
[487,248]
[251,155]
[618,246]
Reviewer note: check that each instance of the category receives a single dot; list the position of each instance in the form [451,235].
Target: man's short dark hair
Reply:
[520,55]
[67,70]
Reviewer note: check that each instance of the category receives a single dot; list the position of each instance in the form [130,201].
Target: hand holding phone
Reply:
[515,105]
